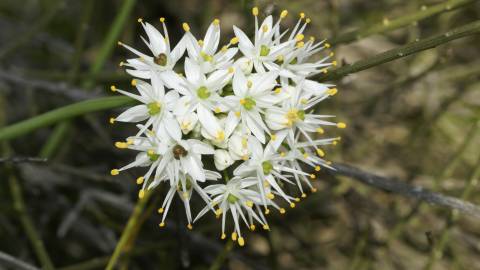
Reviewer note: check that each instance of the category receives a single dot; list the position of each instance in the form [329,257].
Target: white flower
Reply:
[241,201]
[204,52]
[222,159]
[266,47]
[187,122]
[250,97]
[238,146]
[156,105]
[163,58]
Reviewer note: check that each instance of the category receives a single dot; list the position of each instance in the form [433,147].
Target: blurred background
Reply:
[416,119]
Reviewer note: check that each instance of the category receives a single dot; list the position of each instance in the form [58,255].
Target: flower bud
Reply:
[222,159]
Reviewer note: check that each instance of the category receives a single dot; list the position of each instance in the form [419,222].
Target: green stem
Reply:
[222,256]
[110,41]
[27,224]
[411,18]
[403,51]
[129,231]
[35,29]
[63,113]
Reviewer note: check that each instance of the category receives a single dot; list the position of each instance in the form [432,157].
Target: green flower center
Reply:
[264,50]
[294,61]
[161,60]
[188,184]
[248,103]
[232,198]
[154,108]
[203,92]
[267,167]
[179,151]
[152,155]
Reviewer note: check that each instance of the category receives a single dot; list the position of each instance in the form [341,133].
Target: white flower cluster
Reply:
[253,114]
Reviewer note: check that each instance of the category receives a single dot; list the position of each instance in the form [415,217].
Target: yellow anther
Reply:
[332,91]
[273,137]
[317,168]
[186,27]
[334,142]
[299,37]
[220,135]
[312,38]
[121,64]
[386,21]
[234,236]
[255,11]
[303,101]
[111,120]
[331,54]
[121,145]
[266,184]
[134,82]
[305,155]
[140,180]
[302,15]
[324,70]
[151,152]
[243,101]
[141,194]
[200,43]
[234,40]
[114,172]
[252,227]
[304,195]
[282,211]
[189,226]
[162,19]
[119,43]
[327,45]
[223,236]
[113,88]
[341,125]
[308,20]
[314,190]
[216,22]
[292,205]
[249,204]
[284,13]
[320,130]
[185,195]
[218,212]
[300,44]
[329,163]
[139,20]
[245,157]
[162,224]
[282,154]
[249,84]
[231,69]
[313,176]
[130,141]
[266,227]
[241,241]
[320,152]
[224,48]
[297,199]
[334,63]
[270,196]
[265,28]
[278,90]
[237,113]
[218,110]
[160,210]
[267,211]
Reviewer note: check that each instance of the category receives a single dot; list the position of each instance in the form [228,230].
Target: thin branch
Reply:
[404,189]
[403,51]
[7,260]
[22,160]
[31,232]
[409,19]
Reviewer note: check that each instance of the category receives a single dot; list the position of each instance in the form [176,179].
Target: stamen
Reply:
[186,27]
[241,241]
[114,172]
[234,40]
[141,194]
[140,180]
[216,22]
[162,19]
[284,13]
[341,125]
[160,210]
[255,11]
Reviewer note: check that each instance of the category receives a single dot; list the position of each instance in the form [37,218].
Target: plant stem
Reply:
[410,18]
[403,51]
[129,230]
[63,113]
[27,224]
[222,256]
